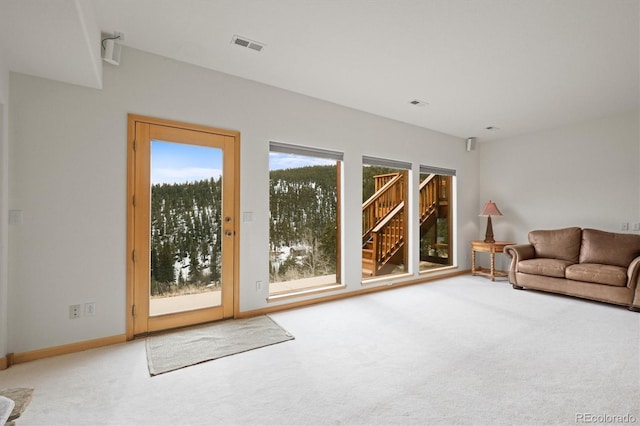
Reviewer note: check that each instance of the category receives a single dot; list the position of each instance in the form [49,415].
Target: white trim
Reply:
[437,171]
[286,148]
[383,162]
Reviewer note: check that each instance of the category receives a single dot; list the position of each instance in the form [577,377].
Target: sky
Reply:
[279,161]
[178,163]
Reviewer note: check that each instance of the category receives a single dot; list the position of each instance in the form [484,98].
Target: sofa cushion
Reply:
[563,244]
[598,274]
[547,267]
[609,248]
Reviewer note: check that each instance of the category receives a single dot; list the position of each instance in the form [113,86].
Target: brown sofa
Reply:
[588,263]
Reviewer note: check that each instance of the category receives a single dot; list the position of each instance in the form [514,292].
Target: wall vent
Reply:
[249,44]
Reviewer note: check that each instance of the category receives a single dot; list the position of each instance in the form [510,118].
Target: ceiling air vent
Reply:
[245,42]
[418,102]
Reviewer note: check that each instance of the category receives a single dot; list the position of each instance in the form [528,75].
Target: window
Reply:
[435,217]
[304,228]
[384,217]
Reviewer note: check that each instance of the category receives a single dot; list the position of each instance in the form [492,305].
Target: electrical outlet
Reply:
[89,309]
[74,311]
[636,226]
[624,226]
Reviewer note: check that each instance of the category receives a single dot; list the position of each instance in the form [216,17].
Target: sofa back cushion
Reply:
[563,244]
[609,248]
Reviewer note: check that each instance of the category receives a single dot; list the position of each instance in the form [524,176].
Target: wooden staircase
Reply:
[384,217]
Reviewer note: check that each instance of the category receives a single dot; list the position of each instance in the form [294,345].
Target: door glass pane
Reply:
[186,206]
[384,216]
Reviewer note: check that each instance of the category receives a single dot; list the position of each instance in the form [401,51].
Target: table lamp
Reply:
[490,209]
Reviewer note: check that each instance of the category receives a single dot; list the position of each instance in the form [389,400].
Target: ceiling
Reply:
[518,65]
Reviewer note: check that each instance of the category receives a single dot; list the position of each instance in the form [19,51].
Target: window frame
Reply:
[326,154]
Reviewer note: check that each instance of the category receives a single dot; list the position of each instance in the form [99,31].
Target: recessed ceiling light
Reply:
[418,102]
[492,128]
[245,42]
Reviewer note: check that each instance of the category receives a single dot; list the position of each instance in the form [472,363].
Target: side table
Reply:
[492,248]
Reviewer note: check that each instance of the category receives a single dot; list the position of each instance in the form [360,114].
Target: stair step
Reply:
[367,272]
[367,266]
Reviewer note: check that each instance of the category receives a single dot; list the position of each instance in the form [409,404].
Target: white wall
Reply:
[584,175]
[4,197]
[68,175]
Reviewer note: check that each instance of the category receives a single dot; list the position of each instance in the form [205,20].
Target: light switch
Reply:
[15,217]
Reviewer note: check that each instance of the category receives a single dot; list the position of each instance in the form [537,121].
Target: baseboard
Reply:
[23,357]
[309,302]
[19,358]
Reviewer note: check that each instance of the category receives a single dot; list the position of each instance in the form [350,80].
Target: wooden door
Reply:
[182,224]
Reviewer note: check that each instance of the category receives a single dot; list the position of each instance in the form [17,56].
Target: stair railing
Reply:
[381,203]
[388,237]
[429,196]
[384,216]
[381,180]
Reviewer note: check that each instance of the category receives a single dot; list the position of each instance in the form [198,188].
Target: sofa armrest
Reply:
[633,280]
[520,251]
[517,253]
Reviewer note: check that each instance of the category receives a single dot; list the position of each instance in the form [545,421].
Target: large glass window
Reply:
[384,217]
[435,217]
[304,229]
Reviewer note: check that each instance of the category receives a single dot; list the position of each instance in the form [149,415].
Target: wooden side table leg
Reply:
[493,266]
[473,262]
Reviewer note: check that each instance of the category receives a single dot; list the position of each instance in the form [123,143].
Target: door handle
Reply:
[228,233]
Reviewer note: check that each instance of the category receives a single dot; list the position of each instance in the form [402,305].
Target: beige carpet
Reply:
[179,349]
[461,351]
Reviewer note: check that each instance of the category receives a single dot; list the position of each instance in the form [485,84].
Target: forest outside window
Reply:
[304,213]
[435,217]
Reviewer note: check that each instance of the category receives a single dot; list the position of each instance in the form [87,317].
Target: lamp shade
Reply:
[490,209]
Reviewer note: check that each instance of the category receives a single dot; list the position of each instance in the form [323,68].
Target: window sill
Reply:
[436,270]
[305,292]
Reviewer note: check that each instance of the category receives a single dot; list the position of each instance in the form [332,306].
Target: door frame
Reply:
[130,201]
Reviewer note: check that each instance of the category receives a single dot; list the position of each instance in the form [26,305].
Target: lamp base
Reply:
[488,235]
